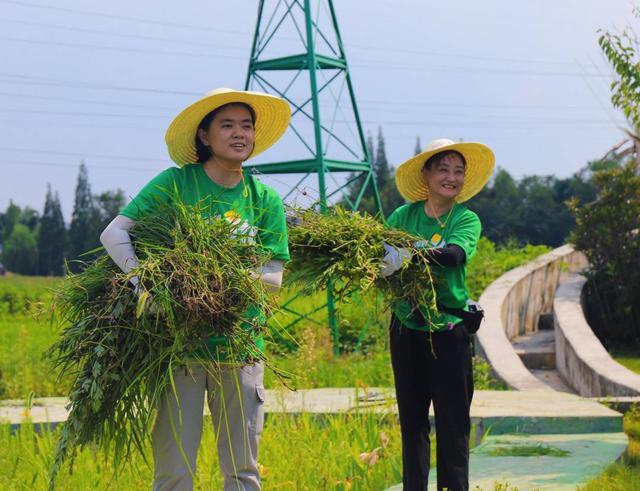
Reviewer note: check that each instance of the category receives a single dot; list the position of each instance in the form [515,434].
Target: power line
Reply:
[491,118]
[121,17]
[74,113]
[235,48]
[120,48]
[31,80]
[120,35]
[75,166]
[364,102]
[83,155]
[370,64]
[86,101]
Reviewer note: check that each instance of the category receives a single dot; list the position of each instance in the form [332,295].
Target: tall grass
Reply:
[353,451]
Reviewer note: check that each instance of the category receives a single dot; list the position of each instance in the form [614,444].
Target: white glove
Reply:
[393,259]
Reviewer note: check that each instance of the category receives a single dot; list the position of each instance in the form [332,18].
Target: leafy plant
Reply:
[608,232]
[121,349]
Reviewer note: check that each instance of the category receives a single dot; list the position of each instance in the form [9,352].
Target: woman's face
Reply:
[445,178]
[230,135]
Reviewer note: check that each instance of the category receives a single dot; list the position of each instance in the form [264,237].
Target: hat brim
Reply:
[480,163]
[272,119]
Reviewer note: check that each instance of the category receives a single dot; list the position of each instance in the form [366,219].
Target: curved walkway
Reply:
[513,305]
[580,357]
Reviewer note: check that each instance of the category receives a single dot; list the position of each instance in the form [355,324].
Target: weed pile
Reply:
[343,250]
[122,348]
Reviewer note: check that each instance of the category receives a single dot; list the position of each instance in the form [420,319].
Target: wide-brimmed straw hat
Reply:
[272,119]
[480,161]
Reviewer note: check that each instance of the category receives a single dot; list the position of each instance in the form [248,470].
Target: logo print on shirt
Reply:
[243,228]
[437,241]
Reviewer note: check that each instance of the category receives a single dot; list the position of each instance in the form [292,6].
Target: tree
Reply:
[107,206]
[381,166]
[355,187]
[52,237]
[608,231]
[9,219]
[20,253]
[82,231]
[621,51]
[29,217]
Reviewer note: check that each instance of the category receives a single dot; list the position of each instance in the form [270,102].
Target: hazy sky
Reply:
[100,82]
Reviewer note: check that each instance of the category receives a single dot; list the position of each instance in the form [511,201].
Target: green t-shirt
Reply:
[260,215]
[463,230]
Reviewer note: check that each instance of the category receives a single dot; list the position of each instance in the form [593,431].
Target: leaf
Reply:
[142,301]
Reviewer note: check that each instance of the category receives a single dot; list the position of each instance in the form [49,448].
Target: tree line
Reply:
[41,244]
[530,210]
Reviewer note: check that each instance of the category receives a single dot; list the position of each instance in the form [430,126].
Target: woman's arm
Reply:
[117,242]
[271,274]
[448,256]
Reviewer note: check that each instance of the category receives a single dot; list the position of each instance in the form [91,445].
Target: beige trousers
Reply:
[235,397]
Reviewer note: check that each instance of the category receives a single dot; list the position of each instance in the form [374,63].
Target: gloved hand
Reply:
[393,259]
[146,302]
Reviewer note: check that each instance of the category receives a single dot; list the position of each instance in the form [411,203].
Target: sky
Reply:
[100,82]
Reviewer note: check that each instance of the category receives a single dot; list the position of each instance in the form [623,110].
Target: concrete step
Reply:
[545,322]
[537,350]
[553,379]
[586,456]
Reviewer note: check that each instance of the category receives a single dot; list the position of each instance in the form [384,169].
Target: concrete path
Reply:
[501,411]
[587,456]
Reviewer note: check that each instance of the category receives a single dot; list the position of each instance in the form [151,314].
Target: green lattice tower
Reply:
[328,132]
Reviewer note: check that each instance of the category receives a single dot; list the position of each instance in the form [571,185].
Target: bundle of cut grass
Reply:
[345,249]
[122,348]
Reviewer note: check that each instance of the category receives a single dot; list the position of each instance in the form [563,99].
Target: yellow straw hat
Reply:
[272,119]
[480,161]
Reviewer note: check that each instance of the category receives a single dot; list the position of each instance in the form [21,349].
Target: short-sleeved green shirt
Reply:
[260,215]
[462,229]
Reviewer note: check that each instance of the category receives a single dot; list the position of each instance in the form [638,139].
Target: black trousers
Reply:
[445,379]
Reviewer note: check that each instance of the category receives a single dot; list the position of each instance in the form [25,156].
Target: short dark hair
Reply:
[202,151]
[437,158]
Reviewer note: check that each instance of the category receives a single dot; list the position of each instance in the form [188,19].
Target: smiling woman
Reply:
[210,140]
[430,350]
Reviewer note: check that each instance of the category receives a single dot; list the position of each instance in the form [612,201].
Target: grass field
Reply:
[357,452]
[26,332]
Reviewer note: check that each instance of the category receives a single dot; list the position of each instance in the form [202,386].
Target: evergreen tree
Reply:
[381,167]
[418,148]
[389,195]
[20,253]
[52,237]
[82,231]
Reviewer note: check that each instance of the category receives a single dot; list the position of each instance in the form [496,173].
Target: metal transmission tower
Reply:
[297,54]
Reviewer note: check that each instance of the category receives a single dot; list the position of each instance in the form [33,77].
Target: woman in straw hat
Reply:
[430,351]
[210,140]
